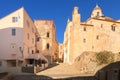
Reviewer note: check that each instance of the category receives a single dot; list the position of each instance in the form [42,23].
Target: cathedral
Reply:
[97,33]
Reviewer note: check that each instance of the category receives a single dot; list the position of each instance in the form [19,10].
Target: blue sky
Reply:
[60,10]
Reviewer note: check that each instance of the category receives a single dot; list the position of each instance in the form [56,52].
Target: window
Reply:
[37,51]
[48,34]
[32,40]
[84,28]
[84,40]
[98,14]
[38,38]
[14,19]
[28,24]
[28,36]
[113,28]
[97,37]
[28,50]
[11,63]
[48,46]
[32,51]
[0,63]
[101,25]
[13,32]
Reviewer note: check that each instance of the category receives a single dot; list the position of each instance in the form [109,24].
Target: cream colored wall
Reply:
[66,42]
[7,41]
[6,21]
[10,45]
[79,45]
[113,36]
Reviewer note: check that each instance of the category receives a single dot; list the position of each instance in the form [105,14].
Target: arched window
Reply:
[48,34]
[48,46]
[98,14]
[113,27]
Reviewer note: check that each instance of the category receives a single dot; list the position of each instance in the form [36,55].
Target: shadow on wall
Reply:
[109,72]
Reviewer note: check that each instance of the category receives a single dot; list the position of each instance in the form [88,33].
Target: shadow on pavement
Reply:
[50,66]
[109,72]
[31,77]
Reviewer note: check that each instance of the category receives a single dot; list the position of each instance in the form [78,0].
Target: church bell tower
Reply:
[97,12]
[75,16]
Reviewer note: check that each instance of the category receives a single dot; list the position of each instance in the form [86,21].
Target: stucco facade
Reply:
[97,33]
[17,39]
[47,43]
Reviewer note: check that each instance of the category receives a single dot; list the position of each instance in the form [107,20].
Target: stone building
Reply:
[97,33]
[61,52]
[46,41]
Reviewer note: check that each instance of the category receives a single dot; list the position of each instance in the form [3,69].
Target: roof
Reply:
[12,12]
[36,56]
[105,18]
[97,7]
[84,23]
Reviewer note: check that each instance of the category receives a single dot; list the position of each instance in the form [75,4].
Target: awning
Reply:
[36,56]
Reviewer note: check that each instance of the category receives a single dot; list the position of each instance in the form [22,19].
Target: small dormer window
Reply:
[113,28]
[14,19]
[97,14]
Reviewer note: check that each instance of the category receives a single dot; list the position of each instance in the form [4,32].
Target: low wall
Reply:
[31,69]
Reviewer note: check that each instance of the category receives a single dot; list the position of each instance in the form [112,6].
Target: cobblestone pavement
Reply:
[62,71]
[59,72]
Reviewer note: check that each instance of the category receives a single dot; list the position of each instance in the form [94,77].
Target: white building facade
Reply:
[17,40]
